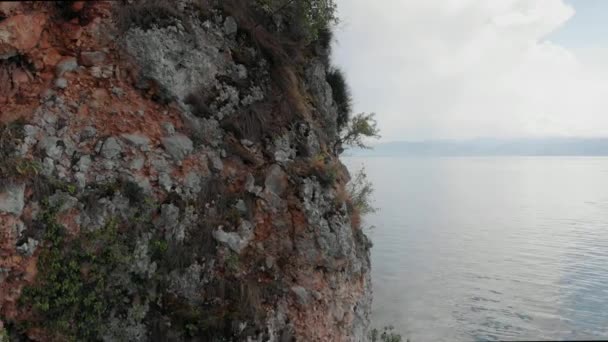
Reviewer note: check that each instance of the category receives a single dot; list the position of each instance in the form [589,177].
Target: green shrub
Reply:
[325,38]
[362,126]
[387,335]
[3,335]
[75,289]
[341,95]
[361,190]
[313,15]
[146,14]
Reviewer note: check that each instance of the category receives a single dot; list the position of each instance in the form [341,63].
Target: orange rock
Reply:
[77,6]
[20,33]
[72,30]
[51,57]
[8,7]
[19,76]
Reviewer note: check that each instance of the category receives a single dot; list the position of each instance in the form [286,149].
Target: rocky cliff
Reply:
[167,174]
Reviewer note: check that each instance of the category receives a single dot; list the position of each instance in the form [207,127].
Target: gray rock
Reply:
[18,228]
[241,207]
[66,65]
[28,248]
[31,131]
[169,216]
[129,328]
[62,201]
[159,163]
[51,147]
[4,272]
[168,128]
[192,183]
[108,164]
[12,199]
[165,181]
[81,180]
[187,283]
[236,241]
[165,52]
[61,83]
[141,263]
[88,132]
[230,26]
[269,262]
[111,148]
[137,163]
[283,151]
[92,58]
[216,161]
[105,71]
[302,295]
[178,146]
[139,141]
[118,91]
[276,180]
[250,185]
[48,166]
[84,163]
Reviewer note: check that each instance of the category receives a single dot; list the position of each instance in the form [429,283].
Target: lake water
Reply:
[490,248]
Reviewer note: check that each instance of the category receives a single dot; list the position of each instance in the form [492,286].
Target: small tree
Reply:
[315,15]
[342,96]
[360,190]
[360,127]
[387,335]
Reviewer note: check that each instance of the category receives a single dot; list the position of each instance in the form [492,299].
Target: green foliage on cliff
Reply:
[3,335]
[341,95]
[359,128]
[315,16]
[360,190]
[76,288]
[388,334]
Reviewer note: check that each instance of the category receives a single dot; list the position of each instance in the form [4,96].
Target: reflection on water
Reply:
[490,248]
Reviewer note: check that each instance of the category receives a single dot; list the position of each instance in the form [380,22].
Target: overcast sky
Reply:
[454,69]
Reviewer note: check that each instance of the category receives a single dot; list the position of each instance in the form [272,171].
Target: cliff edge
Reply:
[167,173]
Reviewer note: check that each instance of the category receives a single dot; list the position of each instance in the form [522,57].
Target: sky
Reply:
[463,69]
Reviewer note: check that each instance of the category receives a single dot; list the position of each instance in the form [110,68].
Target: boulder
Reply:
[67,64]
[12,199]
[92,58]
[230,26]
[178,146]
[20,33]
[276,180]
[111,148]
[140,141]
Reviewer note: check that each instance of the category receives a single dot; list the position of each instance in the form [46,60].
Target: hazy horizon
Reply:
[550,146]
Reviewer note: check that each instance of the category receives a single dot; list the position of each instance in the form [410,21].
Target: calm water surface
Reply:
[490,248]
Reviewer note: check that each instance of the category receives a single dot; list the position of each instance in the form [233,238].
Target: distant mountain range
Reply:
[490,147]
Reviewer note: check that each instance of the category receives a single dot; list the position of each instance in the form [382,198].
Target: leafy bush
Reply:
[360,127]
[314,15]
[146,14]
[387,335]
[3,335]
[360,190]
[341,95]
[76,291]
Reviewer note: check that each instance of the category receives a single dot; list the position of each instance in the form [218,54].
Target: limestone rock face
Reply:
[172,178]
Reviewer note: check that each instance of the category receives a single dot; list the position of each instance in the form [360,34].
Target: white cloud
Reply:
[470,68]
